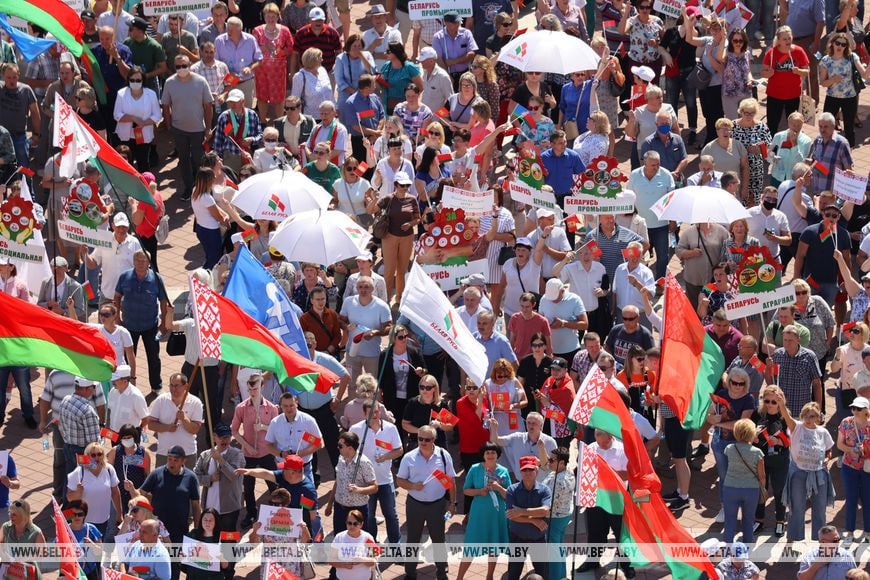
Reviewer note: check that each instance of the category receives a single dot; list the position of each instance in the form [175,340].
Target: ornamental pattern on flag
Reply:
[208,320]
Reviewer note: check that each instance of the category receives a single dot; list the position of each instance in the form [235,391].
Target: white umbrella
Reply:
[276,195]
[699,205]
[320,236]
[548,51]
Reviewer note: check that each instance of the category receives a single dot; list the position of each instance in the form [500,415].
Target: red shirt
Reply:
[522,330]
[562,394]
[784,84]
[472,435]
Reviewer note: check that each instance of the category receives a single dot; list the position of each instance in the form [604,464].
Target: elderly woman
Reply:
[784,65]
[772,420]
[419,411]
[140,510]
[459,104]
[644,32]
[853,439]
[808,475]
[505,397]
[519,274]
[350,64]
[415,115]
[20,529]
[736,404]
[130,459]
[313,276]
[713,59]
[351,563]
[595,141]
[276,43]
[740,240]
[97,484]
[788,148]
[352,194]
[743,480]
[700,248]
[848,360]
[835,73]
[753,135]
[576,103]
[396,74]
[736,76]
[642,121]
[434,137]
[273,155]
[311,83]
[137,112]
[353,410]
[87,110]
[729,154]
[815,314]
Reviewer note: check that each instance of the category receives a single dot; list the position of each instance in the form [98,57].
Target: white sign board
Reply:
[746,304]
[202,555]
[473,203]
[593,204]
[29,252]
[437,8]
[279,521]
[4,462]
[522,193]
[158,7]
[73,232]
[77,5]
[850,186]
[671,8]
[450,277]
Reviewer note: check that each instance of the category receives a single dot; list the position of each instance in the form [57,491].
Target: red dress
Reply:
[271,76]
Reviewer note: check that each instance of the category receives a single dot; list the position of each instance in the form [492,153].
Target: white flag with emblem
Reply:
[425,305]
[75,143]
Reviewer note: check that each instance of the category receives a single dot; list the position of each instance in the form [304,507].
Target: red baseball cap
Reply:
[528,462]
[293,462]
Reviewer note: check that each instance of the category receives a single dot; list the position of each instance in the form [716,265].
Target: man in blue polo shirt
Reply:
[496,344]
[141,301]
[668,145]
[562,164]
[528,504]
[360,113]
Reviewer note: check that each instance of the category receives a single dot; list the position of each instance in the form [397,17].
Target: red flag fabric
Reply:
[445,157]
[821,168]
[306,503]
[367,114]
[312,439]
[26,171]
[756,363]
[445,480]
[572,222]
[511,131]
[89,291]
[277,572]
[629,253]
[717,400]
[501,401]
[69,565]
[672,536]
[230,536]
[109,434]
[83,459]
[593,247]
[249,234]
[231,80]
[447,417]
[555,414]
[385,445]
[361,168]
[442,112]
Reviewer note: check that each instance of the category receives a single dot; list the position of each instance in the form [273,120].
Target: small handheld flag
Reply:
[763,147]
[367,114]
[710,287]
[555,415]
[312,439]
[629,253]
[443,112]
[89,291]
[361,168]
[107,433]
[722,402]
[385,445]
[26,171]
[572,223]
[820,167]
[445,157]
[593,247]
[230,536]
[445,480]
[306,503]
[231,80]
[757,364]
[249,234]
[511,131]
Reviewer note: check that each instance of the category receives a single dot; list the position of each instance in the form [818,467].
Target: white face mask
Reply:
[136,86]
[183,72]
[270,145]
[128,442]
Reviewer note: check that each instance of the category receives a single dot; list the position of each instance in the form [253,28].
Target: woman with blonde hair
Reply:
[391,128]
[808,475]
[773,422]
[783,65]
[353,410]
[596,140]
[20,529]
[740,240]
[487,83]
[713,60]
[505,397]
[276,44]
[753,135]
[849,359]
[97,484]
[420,409]
[729,154]
[743,481]
[459,104]
[311,82]
[435,137]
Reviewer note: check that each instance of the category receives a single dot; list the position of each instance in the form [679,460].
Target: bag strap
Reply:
[520,276]
[787,193]
[753,470]
[703,245]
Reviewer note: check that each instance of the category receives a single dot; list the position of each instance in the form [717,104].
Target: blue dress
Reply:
[486,523]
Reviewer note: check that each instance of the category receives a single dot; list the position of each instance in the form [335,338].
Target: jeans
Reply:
[673,86]
[212,245]
[745,499]
[387,497]
[152,353]
[658,239]
[776,471]
[339,515]
[329,429]
[22,148]
[189,149]
[857,485]
[21,376]
[797,508]
[711,107]
[827,290]
[718,447]
[763,9]
[555,535]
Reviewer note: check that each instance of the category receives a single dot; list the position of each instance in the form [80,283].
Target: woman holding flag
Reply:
[95,482]
[85,534]
[130,460]
[853,439]
[773,420]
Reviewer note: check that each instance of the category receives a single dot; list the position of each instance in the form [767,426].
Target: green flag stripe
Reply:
[35,352]
[606,421]
[610,501]
[709,372]
[236,349]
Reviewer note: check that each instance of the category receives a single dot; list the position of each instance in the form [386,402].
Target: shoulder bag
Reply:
[762,486]
[523,286]
[807,103]
[857,80]
[700,77]
[382,221]
[507,251]
[860,441]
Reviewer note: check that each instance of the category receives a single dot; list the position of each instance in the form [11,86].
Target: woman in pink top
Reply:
[146,217]
[9,281]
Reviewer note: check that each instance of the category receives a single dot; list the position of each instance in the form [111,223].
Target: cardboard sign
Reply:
[29,252]
[201,555]
[758,271]
[437,8]
[475,203]
[591,204]
[279,521]
[522,193]
[850,186]
[158,7]
[449,277]
[748,304]
[73,232]
[670,8]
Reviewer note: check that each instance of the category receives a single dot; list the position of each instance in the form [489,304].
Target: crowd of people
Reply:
[252,86]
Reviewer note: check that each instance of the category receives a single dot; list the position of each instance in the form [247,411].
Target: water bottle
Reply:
[45,444]
[447,516]
[144,437]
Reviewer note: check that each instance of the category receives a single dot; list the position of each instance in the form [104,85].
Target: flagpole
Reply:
[205,402]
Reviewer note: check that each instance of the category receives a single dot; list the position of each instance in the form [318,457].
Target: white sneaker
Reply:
[720,517]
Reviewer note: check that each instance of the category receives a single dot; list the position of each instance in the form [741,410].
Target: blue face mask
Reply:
[664,129]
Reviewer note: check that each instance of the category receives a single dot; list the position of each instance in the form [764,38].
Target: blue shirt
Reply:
[154,558]
[314,399]
[569,99]
[519,496]
[496,347]
[140,299]
[304,488]
[11,472]
[171,496]
[114,80]
[561,170]
[803,16]
[238,56]
[448,47]
[569,308]
[90,531]
[648,191]
[671,152]
[357,104]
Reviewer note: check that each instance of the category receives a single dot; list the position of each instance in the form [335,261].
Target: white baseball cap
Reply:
[426,53]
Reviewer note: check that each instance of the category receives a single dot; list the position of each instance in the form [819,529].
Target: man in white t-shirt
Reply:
[126,403]
[113,260]
[368,318]
[176,418]
[377,38]
[555,240]
[364,264]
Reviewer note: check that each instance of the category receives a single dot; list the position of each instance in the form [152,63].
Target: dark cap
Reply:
[559,363]
[176,451]
[832,206]
[88,14]
[139,23]
[451,17]
[865,352]
[222,430]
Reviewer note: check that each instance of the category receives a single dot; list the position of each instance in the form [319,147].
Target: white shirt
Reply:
[387,174]
[372,316]
[437,88]
[613,455]
[468,318]
[348,549]
[164,410]
[583,283]
[201,207]
[145,107]
[120,339]
[287,435]
[371,35]
[125,408]
[351,196]
[557,240]
[776,221]
[122,31]
[380,285]
[531,277]
[417,469]
[626,293]
[312,90]
[113,261]
[97,490]
[388,434]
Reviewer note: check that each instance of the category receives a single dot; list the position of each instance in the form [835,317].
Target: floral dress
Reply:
[758,133]
[271,76]
[639,34]
[735,76]
[541,133]
[843,67]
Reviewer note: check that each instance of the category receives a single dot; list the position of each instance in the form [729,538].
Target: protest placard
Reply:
[745,304]
[475,203]
[450,276]
[850,186]
[522,193]
[671,8]
[592,204]
[201,555]
[29,252]
[437,8]
[279,521]
[73,232]
[158,7]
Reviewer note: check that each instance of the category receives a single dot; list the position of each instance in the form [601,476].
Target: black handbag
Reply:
[857,81]
[700,77]
[176,344]
[506,252]
[382,221]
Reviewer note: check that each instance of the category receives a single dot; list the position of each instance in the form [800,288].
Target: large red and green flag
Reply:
[691,364]
[55,16]
[67,544]
[599,405]
[684,557]
[34,337]
[228,333]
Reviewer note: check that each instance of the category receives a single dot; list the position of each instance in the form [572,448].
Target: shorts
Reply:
[343,6]
[677,438]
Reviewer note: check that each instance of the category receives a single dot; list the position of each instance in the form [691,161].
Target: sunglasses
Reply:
[291,108]
[78,514]
[738,383]
[769,402]
[801,293]
[105,314]
[736,41]
[96,454]
[506,24]
[425,439]
[841,44]
[351,168]
[401,336]
[629,318]
[854,331]
[182,66]
[321,153]
[471,388]
[134,509]
[832,215]
[500,376]
[537,74]
[538,345]
[353,523]
[427,388]
[535,108]
[135,80]
[270,140]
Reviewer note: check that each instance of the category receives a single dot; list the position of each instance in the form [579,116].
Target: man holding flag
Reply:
[360,113]
[814,260]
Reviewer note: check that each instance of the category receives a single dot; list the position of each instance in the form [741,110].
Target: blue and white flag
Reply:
[30,46]
[256,292]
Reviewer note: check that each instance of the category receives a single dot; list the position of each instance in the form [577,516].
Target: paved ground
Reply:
[181,255]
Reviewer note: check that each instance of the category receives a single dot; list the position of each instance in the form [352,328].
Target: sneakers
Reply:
[679,503]
[757,526]
[700,451]
[779,531]
[674,495]
[720,517]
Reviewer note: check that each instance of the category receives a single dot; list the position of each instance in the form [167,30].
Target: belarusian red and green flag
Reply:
[691,364]
[228,333]
[66,542]
[31,336]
